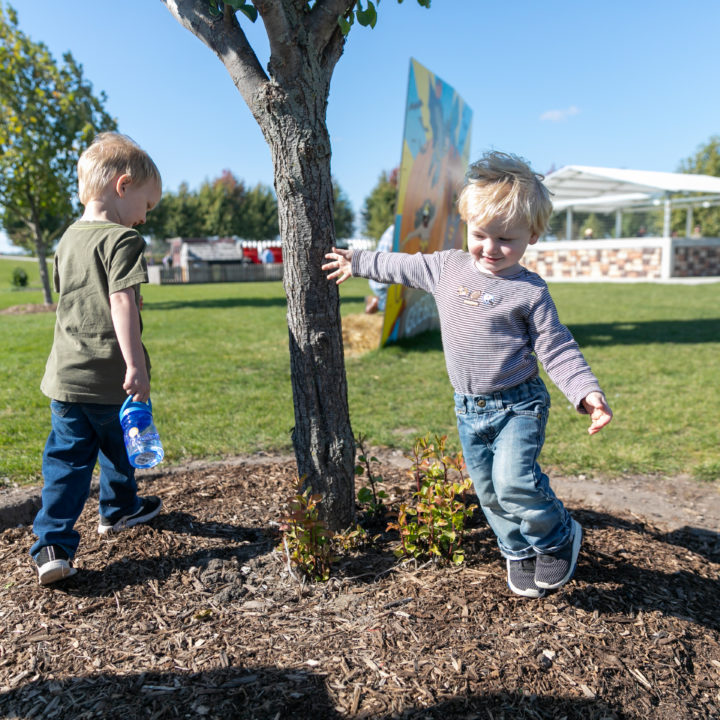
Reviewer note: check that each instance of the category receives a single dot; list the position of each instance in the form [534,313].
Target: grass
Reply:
[221,383]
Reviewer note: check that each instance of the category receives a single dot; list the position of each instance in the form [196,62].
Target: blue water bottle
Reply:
[142,440]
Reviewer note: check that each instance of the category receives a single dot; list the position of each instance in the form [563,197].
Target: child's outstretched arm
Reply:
[126,321]
[340,265]
[599,411]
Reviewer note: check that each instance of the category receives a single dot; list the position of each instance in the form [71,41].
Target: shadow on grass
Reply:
[643,333]
[216,303]
[605,334]
[229,303]
[245,693]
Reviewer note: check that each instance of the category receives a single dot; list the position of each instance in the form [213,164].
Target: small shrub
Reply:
[19,278]
[306,540]
[435,526]
[370,497]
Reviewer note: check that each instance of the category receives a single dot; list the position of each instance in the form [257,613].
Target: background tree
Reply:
[48,115]
[221,207]
[177,215]
[343,214]
[705,161]
[289,102]
[259,214]
[380,205]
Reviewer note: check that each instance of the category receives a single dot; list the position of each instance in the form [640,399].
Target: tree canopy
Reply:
[342,213]
[48,115]
[380,205]
[225,207]
[705,161]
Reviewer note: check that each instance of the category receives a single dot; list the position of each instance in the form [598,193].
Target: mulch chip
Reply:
[196,616]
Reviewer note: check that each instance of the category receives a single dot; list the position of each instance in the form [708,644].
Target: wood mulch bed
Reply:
[196,616]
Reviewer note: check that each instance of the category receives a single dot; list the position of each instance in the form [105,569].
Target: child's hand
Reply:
[340,264]
[137,384]
[598,409]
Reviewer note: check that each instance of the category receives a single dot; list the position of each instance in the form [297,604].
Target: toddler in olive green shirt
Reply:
[97,358]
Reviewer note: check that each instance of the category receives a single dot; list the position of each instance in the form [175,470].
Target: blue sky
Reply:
[617,83]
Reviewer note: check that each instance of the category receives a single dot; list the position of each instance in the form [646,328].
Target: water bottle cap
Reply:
[131,404]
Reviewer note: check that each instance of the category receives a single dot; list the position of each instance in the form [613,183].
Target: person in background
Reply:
[376,301]
[97,357]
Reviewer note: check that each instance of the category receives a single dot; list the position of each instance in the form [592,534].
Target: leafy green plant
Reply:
[435,526]
[354,539]
[306,540]
[371,497]
[19,278]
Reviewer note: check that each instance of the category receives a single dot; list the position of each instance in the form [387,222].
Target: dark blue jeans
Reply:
[502,435]
[82,434]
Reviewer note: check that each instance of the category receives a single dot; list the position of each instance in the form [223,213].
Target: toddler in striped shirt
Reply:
[497,320]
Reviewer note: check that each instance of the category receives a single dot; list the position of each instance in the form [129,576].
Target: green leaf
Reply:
[244,7]
[345,23]
[365,495]
[368,16]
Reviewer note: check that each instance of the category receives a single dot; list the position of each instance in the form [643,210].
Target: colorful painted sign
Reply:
[436,147]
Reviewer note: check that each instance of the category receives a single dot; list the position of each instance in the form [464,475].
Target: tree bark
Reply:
[322,436]
[42,263]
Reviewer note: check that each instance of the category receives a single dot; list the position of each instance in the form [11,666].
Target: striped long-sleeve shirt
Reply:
[494,329]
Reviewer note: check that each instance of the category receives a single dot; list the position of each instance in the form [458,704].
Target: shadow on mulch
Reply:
[270,693]
[196,616]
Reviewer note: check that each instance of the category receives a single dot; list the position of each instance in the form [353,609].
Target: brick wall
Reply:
[596,259]
[625,259]
[696,258]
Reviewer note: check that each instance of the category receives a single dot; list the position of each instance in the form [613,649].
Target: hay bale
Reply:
[361,333]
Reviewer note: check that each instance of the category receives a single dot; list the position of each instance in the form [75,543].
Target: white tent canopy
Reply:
[598,189]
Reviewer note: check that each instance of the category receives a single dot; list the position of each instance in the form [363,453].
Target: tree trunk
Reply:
[289,104]
[42,262]
[322,436]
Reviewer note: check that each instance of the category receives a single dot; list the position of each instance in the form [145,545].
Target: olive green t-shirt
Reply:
[92,261]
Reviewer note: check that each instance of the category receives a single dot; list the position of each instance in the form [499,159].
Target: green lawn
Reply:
[221,381]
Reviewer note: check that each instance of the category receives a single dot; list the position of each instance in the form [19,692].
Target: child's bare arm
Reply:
[599,411]
[340,266]
[126,322]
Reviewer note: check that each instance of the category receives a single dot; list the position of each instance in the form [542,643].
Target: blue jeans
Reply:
[501,436]
[81,434]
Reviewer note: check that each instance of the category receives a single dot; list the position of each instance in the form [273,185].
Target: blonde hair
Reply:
[108,156]
[500,184]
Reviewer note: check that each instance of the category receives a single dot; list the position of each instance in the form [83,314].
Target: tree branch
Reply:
[323,19]
[226,39]
[276,16]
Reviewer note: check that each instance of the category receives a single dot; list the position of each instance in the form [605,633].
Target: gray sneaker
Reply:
[554,570]
[149,508]
[53,564]
[521,577]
